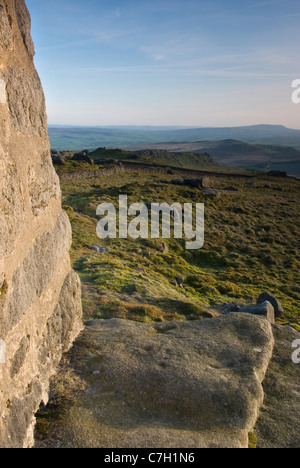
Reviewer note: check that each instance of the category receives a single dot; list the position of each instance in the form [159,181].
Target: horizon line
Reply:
[191,127]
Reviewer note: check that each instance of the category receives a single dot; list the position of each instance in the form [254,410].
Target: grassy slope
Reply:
[252,245]
[239,154]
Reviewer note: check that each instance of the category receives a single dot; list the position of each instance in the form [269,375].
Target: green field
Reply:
[251,245]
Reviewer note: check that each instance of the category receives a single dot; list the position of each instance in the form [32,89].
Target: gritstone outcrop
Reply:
[40,295]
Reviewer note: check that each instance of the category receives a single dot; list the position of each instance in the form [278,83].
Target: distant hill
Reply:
[243,155]
[76,138]
[186,160]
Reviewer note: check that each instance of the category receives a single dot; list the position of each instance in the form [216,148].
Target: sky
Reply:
[193,63]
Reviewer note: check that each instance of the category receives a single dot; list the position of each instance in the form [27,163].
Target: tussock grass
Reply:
[251,245]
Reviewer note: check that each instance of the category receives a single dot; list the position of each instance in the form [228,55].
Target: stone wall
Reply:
[40,295]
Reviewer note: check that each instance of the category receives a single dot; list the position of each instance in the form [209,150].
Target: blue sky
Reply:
[168,62]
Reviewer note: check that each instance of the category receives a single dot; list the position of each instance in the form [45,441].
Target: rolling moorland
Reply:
[75,138]
[239,154]
[251,245]
[261,147]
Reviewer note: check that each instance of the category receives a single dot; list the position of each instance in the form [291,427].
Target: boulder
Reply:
[277,174]
[229,308]
[265,309]
[209,193]
[177,182]
[231,189]
[279,312]
[278,422]
[58,158]
[164,248]
[99,249]
[83,156]
[180,280]
[199,183]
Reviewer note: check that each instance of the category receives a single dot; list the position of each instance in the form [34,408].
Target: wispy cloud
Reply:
[183,54]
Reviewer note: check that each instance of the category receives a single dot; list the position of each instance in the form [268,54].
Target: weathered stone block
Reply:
[175,384]
[11,204]
[65,324]
[43,184]
[20,356]
[265,309]
[40,302]
[24,23]
[26,101]
[6,35]
[275,303]
[35,272]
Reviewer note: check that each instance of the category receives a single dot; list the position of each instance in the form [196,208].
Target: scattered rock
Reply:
[199,183]
[277,174]
[231,189]
[99,249]
[162,181]
[173,283]
[164,248]
[58,159]
[180,280]
[108,162]
[83,156]
[209,193]
[265,309]
[228,308]
[279,312]
[250,185]
[139,269]
[177,182]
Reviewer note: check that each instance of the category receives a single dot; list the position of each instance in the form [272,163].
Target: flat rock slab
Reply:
[172,385]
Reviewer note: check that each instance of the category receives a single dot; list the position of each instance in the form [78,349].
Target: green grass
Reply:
[251,245]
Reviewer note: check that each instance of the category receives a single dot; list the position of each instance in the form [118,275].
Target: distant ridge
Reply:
[235,153]
[76,138]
